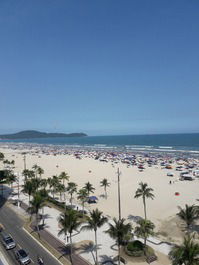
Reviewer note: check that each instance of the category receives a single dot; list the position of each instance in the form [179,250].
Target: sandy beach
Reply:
[84,167]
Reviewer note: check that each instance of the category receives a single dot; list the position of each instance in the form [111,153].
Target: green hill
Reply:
[35,134]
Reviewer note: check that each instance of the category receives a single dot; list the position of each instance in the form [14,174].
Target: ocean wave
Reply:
[165,147]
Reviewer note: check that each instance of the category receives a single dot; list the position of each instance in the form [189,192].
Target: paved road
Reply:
[14,225]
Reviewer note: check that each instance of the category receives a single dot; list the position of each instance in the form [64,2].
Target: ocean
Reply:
[160,142]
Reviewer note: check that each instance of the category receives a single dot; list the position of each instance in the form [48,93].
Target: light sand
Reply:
[162,210]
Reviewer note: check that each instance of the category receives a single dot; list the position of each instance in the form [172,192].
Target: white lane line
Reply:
[19,246]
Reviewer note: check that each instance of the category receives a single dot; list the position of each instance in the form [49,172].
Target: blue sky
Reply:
[103,67]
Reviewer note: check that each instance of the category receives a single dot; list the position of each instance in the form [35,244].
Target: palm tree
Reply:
[60,188]
[189,214]
[144,229]
[40,171]
[29,188]
[35,167]
[44,195]
[145,192]
[89,187]
[53,183]
[82,196]
[104,183]
[36,204]
[187,253]
[36,183]
[119,231]
[44,183]
[11,179]
[71,188]
[63,221]
[1,156]
[64,176]
[70,223]
[28,173]
[96,220]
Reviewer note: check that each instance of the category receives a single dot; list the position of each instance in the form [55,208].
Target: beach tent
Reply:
[92,199]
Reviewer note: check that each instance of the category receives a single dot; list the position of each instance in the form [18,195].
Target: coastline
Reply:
[91,164]
[82,166]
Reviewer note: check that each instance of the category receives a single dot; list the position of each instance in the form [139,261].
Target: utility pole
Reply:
[18,203]
[119,200]
[24,160]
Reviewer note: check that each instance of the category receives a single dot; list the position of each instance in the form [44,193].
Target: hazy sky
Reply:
[99,66]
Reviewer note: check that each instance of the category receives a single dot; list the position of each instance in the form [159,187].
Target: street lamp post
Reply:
[119,200]
[18,201]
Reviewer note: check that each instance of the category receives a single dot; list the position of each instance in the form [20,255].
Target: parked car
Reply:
[170,174]
[22,257]
[8,241]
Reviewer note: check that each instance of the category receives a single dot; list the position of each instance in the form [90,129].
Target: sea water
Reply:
[159,142]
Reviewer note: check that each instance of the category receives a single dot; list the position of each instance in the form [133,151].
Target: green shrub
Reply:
[135,245]
[135,248]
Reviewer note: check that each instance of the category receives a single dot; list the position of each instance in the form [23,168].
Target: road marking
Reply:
[42,246]
[19,246]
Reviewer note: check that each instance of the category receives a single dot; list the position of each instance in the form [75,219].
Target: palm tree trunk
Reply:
[71,199]
[43,215]
[83,209]
[144,202]
[118,254]
[37,223]
[145,245]
[71,249]
[96,260]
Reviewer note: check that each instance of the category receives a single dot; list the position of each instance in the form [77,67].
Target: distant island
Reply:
[35,134]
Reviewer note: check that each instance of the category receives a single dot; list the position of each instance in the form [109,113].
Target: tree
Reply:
[44,195]
[35,167]
[82,196]
[189,214]
[4,178]
[1,156]
[185,254]
[28,174]
[40,171]
[63,221]
[29,188]
[11,179]
[119,231]
[145,192]
[60,188]
[71,188]
[70,222]
[104,183]
[89,187]
[144,229]
[53,183]
[64,176]
[95,220]
[36,204]
[44,183]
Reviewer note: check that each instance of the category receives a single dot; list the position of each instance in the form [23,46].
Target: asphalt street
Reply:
[14,226]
